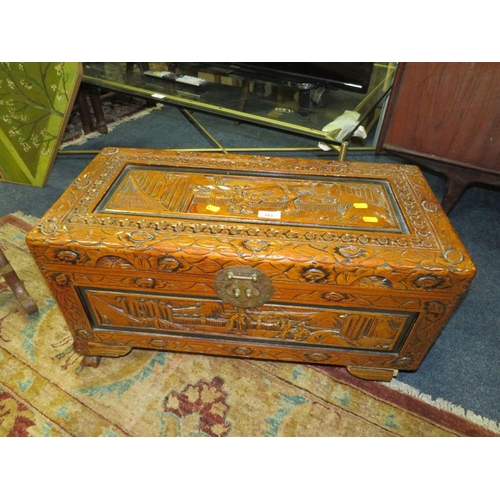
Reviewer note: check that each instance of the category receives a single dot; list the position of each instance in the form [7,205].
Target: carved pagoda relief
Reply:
[340,203]
[338,327]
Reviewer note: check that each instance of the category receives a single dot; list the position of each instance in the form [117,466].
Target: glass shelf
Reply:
[230,92]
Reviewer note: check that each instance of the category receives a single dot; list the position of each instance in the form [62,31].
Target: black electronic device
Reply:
[351,76]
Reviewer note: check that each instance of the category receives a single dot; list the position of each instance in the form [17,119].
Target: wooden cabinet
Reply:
[446,117]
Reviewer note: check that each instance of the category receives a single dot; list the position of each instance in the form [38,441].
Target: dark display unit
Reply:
[351,76]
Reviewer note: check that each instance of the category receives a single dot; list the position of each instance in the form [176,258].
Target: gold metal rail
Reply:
[341,150]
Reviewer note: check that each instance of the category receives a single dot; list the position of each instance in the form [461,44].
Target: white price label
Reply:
[265,214]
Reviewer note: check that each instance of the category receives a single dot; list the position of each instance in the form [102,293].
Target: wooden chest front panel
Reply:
[309,326]
[362,266]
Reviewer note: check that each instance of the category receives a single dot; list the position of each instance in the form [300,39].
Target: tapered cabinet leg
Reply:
[455,188]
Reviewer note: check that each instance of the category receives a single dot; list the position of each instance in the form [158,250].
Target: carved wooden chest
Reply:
[282,259]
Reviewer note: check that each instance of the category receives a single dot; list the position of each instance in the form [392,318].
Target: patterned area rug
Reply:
[45,392]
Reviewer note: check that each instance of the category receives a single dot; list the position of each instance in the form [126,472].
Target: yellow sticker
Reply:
[213,208]
[370,219]
[360,205]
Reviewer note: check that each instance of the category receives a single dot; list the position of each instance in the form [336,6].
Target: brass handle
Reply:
[243,286]
[231,276]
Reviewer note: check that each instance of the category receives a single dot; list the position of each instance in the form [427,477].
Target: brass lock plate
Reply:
[243,286]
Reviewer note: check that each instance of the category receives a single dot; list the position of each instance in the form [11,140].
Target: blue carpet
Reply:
[462,367]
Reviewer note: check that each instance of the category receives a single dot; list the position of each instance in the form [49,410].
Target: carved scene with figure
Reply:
[340,202]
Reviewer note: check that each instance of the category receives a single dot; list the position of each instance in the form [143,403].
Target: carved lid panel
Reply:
[327,202]
[313,221]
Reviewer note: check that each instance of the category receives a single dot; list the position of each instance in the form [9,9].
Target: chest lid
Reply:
[287,212]
[206,195]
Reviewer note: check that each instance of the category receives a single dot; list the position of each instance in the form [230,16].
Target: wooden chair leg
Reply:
[12,279]
[83,109]
[95,99]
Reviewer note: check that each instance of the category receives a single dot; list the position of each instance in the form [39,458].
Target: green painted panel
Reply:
[36,99]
